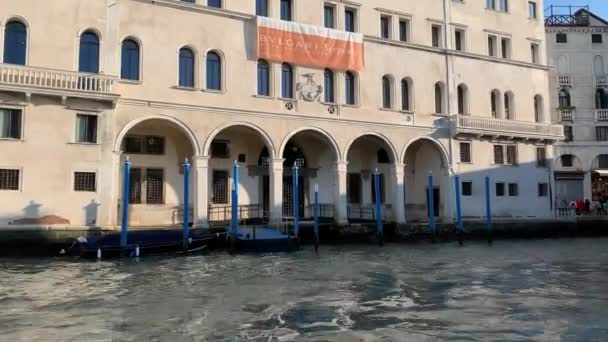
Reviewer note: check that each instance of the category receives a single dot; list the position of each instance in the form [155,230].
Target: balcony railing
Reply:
[601,80]
[601,114]
[564,80]
[59,82]
[486,126]
[566,115]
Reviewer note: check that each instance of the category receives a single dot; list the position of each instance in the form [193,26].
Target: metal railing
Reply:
[566,115]
[601,114]
[246,213]
[487,124]
[326,211]
[26,76]
[565,80]
[601,80]
[359,213]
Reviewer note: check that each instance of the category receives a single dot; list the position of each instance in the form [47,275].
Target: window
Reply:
[561,38]
[534,56]
[261,8]
[130,60]
[597,38]
[382,157]
[436,35]
[601,161]
[491,4]
[505,44]
[15,43]
[214,71]
[541,157]
[513,190]
[404,25]
[405,95]
[88,56]
[385,27]
[387,101]
[354,188]
[329,16]
[350,86]
[459,40]
[465,152]
[532,9]
[512,155]
[500,189]
[601,133]
[538,108]
[567,160]
[144,145]
[286,81]
[214,3]
[543,189]
[601,99]
[263,78]
[508,106]
[504,5]
[10,123]
[329,91]
[467,188]
[85,182]
[186,68]
[462,99]
[564,99]
[492,46]
[9,179]
[350,16]
[86,128]
[286,10]
[135,185]
[568,133]
[382,192]
[438,98]
[154,186]
[219,149]
[220,187]
[499,157]
[494,99]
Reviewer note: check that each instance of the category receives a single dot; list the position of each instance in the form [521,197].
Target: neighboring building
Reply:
[577,47]
[448,87]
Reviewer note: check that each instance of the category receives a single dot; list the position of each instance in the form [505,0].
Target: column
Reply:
[449,214]
[276,191]
[341,196]
[587,189]
[398,178]
[109,187]
[200,172]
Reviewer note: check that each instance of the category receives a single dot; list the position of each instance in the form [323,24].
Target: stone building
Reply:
[447,88]
[577,47]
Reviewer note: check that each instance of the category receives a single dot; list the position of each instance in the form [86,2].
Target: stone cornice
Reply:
[580,29]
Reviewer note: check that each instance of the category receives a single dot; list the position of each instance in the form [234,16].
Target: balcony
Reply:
[498,128]
[601,114]
[564,80]
[601,80]
[30,80]
[566,114]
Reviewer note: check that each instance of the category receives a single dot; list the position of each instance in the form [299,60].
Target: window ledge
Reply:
[351,105]
[12,140]
[286,99]
[213,91]
[407,112]
[330,104]
[388,110]
[264,97]
[135,82]
[83,143]
[185,88]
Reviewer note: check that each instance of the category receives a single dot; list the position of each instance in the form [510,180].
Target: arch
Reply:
[407,94]
[16,41]
[191,136]
[350,88]
[130,59]
[576,162]
[463,99]
[324,133]
[382,137]
[263,78]
[601,99]
[565,100]
[439,98]
[539,108]
[218,130]
[598,65]
[186,67]
[496,104]
[599,162]
[388,86]
[442,150]
[89,48]
[214,70]
[509,105]
[329,91]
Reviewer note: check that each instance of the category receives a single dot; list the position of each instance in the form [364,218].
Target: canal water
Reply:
[541,290]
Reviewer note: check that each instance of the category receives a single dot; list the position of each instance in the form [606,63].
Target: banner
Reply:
[307,45]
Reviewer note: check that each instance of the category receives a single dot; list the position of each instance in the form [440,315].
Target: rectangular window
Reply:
[144,145]
[86,128]
[465,152]
[512,155]
[513,190]
[491,4]
[602,161]
[500,189]
[154,186]
[9,179]
[568,133]
[220,187]
[436,35]
[135,185]
[85,181]
[350,16]
[597,38]
[505,45]
[499,157]
[354,188]
[261,8]
[214,3]
[385,27]
[10,123]
[382,192]
[532,9]
[567,160]
[601,133]
[286,11]
[492,46]
[404,27]
[541,157]
[535,58]
[219,149]
[329,16]
[467,188]
[459,40]
[561,38]
[543,189]
[504,6]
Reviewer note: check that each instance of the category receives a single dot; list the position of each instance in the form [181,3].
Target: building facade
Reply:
[577,47]
[448,88]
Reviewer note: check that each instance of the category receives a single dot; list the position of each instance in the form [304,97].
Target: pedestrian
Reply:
[605,207]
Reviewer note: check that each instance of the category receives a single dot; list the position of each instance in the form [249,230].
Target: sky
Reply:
[599,7]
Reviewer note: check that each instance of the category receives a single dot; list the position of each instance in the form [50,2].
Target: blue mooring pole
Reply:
[186,230]
[459,225]
[125,204]
[316,216]
[378,207]
[432,205]
[296,209]
[235,206]
[488,210]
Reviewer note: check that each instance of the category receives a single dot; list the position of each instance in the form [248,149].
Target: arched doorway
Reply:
[423,157]
[599,178]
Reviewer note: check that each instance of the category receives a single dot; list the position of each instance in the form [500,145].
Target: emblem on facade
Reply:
[309,90]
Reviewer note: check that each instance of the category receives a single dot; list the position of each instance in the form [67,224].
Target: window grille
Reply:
[154,186]
[9,179]
[220,187]
[85,182]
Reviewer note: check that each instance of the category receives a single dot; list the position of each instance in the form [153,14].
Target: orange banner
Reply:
[285,41]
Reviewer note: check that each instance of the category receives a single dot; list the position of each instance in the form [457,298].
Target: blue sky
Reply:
[599,7]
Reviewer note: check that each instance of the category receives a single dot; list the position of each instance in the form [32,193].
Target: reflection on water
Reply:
[553,290]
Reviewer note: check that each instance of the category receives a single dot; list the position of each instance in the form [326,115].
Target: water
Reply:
[543,290]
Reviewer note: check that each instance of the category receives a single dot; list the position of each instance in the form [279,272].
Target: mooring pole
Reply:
[459,225]
[488,211]
[432,206]
[186,230]
[296,209]
[378,207]
[235,206]
[316,216]
[125,205]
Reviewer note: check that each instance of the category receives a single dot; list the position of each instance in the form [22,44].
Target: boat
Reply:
[260,239]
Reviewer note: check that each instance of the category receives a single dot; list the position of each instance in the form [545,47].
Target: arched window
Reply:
[186,68]
[538,108]
[15,43]
[329,90]
[286,81]
[438,98]
[88,57]
[406,98]
[350,88]
[564,99]
[495,103]
[508,101]
[462,99]
[130,60]
[387,92]
[383,157]
[214,71]
[263,78]
[601,99]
